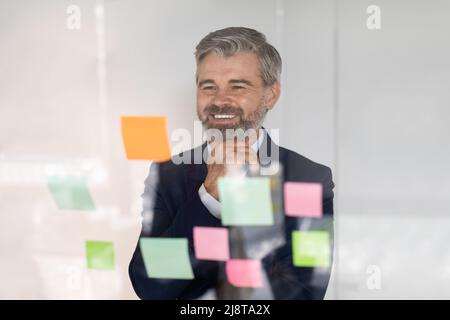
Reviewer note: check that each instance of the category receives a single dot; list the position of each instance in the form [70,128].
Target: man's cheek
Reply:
[201,106]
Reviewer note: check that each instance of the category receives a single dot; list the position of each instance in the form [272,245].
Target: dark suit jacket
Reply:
[172,207]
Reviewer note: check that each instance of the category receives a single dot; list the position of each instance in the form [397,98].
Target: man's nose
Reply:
[221,97]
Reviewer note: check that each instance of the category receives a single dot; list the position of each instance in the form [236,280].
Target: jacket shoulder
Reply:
[301,168]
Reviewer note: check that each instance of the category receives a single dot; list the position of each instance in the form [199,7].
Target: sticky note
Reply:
[303,199]
[166,258]
[311,249]
[70,192]
[211,243]
[145,138]
[245,201]
[100,255]
[244,273]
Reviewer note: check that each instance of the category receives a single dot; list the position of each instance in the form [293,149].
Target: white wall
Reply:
[393,149]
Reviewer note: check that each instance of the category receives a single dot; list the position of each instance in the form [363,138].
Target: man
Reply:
[238,82]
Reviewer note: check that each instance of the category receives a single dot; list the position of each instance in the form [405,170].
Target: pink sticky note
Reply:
[211,243]
[302,199]
[244,273]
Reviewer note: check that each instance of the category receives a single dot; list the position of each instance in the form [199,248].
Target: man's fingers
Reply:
[241,157]
[230,152]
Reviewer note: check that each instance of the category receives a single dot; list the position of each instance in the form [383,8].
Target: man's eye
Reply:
[238,87]
[208,88]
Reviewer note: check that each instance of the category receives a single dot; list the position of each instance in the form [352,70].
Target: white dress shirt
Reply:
[211,203]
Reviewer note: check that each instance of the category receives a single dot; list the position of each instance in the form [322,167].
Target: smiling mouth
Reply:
[223,119]
[224,116]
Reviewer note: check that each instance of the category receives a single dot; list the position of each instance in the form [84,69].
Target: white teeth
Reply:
[223,116]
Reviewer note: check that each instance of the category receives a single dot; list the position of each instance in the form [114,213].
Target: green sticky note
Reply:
[100,255]
[70,192]
[311,248]
[166,258]
[245,201]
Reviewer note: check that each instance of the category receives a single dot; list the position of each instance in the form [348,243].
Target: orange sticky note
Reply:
[145,138]
[211,243]
[302,199]
[244,273]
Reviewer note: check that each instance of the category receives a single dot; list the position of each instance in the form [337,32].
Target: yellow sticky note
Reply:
[145,138]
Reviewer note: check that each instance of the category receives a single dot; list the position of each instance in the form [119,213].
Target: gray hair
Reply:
[229,41]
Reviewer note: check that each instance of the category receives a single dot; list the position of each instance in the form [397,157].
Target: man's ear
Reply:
[272,94]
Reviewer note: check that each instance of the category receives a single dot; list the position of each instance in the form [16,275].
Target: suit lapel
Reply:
[195,174]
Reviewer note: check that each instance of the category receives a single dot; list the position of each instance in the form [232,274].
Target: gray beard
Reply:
[253,121]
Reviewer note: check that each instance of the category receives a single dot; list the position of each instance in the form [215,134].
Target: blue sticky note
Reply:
[245,201]
[166,258]
[70,192]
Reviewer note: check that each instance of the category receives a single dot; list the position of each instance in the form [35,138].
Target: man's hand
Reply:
[230,153]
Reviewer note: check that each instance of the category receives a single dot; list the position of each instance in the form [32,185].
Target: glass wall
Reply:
[367,97]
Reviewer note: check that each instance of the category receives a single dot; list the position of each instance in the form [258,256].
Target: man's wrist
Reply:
[211,190]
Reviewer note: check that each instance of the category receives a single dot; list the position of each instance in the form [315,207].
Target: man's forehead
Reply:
[243,65]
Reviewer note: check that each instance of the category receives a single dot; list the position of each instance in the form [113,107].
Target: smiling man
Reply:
[238,83]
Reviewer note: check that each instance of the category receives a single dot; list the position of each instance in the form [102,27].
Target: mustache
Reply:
[226,109]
